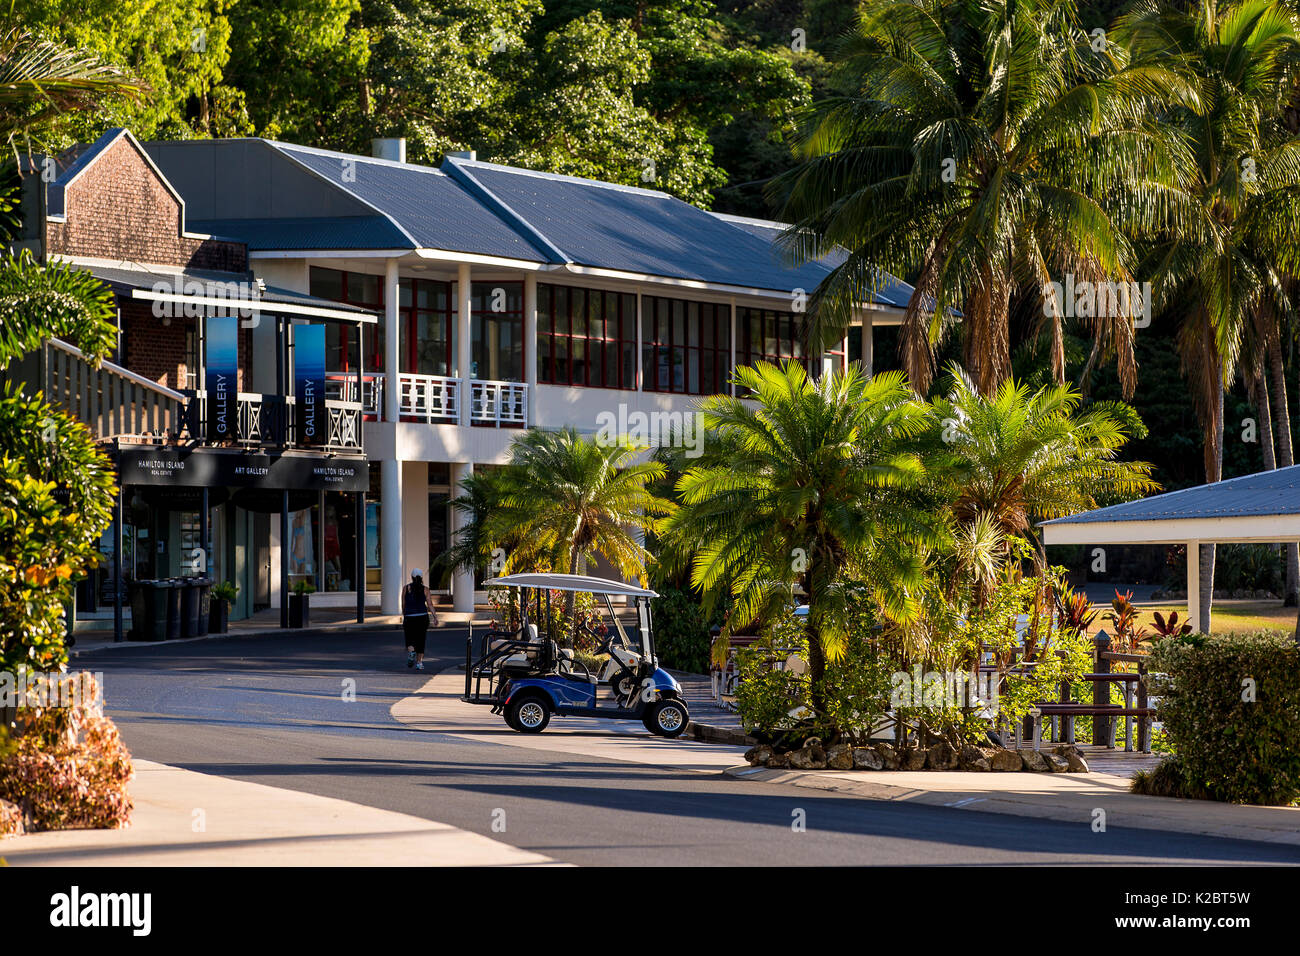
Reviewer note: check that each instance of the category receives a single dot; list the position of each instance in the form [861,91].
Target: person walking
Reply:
[417,612]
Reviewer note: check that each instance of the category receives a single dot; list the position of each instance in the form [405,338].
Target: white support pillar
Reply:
[464,339]
[392,346]
[530,343]
[731,387]
[390,537]
[868,343]
[1194,584]
[462,579]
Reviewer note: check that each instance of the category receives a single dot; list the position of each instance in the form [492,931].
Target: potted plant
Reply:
[300,604]
[223,599]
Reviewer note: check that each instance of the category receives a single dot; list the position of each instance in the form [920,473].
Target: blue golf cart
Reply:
[525,676]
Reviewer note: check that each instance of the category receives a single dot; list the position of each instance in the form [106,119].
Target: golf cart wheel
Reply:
[667,718]
[528,715]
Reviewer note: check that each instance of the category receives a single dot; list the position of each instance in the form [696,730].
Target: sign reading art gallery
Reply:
[222,336]
[309,384]
[196,468]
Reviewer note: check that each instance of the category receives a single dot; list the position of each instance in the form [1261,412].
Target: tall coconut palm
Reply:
[806,484]
[987,149]
[1227,267]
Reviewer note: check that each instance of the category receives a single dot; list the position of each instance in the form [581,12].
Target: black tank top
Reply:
[414,603]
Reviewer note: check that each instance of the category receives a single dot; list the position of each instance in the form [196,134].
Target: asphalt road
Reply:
[272,711]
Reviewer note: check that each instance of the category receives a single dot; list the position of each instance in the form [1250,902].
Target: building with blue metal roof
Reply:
[510,298]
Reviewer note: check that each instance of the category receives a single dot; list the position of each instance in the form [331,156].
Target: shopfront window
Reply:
[768,336]
[346,345]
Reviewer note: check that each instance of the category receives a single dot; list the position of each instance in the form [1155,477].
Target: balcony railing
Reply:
[435,398]
[113,402]
[342,386]
[269,420]
[498,403]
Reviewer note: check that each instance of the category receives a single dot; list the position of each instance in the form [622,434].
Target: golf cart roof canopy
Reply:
[569,582]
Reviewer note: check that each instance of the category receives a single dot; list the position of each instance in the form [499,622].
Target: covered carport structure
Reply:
[1262,508]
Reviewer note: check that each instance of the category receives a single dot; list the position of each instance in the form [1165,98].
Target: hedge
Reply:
[1231,709]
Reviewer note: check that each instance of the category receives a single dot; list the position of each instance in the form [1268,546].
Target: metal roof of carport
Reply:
[1263,507]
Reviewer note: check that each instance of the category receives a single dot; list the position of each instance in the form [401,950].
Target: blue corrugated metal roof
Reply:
[623,228]
[893,291]
[1265,493]
[428,204]
[325,232]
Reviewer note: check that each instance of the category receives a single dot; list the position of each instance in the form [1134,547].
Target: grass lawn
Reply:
[1227,616]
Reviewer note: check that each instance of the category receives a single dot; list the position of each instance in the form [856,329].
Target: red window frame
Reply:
[675,331]
[605,336]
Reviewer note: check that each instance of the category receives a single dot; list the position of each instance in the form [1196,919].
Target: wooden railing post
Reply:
[1101,690]
[1144,722]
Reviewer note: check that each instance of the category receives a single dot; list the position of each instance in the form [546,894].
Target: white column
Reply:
[392,344]
[530,343]
[462,580]
[732,387]
[1194,584]
[390,537]
[868,343]
[464,340]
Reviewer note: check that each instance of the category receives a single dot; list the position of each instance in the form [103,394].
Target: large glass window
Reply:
[685,346]
[497,320]
[586,337]
[768,336]
[425,319]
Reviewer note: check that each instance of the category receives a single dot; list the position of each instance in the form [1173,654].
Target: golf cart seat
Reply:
[525,660]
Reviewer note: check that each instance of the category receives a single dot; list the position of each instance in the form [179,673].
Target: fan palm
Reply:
[1227,269]
[807,484]
[986,148]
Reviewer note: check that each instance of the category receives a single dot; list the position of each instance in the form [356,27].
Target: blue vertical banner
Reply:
[222,377]
[309,384]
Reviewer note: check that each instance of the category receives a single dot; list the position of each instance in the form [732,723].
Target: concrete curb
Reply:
[708,733]
[100,645]
[1079,805]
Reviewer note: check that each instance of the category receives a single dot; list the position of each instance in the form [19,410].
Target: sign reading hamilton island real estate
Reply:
[222,376]
[309,384]
[196,468]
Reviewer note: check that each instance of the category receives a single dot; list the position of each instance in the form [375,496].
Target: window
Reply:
[586,337]
[345,343]
[686,346]
[768,336]
[497,319]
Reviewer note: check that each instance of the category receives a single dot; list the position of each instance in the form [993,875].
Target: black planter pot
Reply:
[299,610]
[218,617]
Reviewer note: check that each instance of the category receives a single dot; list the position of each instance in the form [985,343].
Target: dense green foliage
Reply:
[1231,709]
[682,630]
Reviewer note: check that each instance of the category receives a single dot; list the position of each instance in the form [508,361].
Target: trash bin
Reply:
[154,604]
[173,588]
[189,607]
[205,605]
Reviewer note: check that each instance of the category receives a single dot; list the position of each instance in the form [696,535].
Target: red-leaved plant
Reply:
[1170,627]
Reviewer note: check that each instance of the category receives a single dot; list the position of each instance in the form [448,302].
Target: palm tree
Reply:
[1228,268]
[560,501]
[986,149]
[806,484]
[1018,457]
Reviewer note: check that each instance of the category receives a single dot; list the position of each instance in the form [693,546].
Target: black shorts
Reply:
[417,629]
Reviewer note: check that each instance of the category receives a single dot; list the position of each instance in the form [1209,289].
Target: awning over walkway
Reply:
[1263,508]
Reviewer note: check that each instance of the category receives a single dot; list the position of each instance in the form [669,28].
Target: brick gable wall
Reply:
[119,208]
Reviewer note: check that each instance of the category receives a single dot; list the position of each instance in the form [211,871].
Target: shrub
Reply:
[66,767]
[682,637]
[1231,708]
